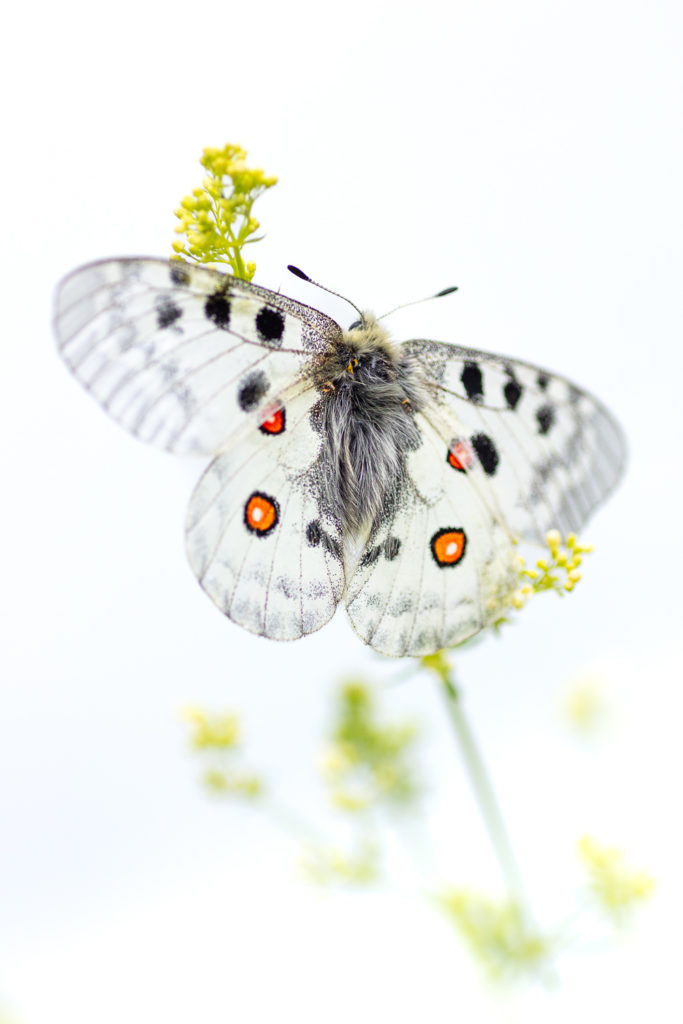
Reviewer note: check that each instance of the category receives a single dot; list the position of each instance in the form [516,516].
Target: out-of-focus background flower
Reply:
[530,154]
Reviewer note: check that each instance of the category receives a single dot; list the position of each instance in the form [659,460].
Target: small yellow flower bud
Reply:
[213,779]
[252,787]
[335,760]
[348,802]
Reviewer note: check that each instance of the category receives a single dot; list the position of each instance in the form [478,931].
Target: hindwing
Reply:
[441,563]
[258,540]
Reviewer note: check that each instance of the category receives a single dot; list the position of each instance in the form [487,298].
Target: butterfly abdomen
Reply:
[369,399]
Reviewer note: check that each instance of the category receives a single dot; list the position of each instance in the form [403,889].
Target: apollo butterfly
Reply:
[395,477]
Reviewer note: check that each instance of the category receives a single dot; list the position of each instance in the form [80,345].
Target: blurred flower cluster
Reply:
[218,739]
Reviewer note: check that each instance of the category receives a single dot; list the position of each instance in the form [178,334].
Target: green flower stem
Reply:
[486,798]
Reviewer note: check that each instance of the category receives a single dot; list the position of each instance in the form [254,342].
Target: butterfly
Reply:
[397,478]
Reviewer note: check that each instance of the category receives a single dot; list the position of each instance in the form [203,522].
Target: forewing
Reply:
[180,355]
[441,564]
[550,451]
[257,539]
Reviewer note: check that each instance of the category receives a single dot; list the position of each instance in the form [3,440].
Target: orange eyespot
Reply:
[274,424]
[448,546]
[353,363]
[460,455]
[261,513]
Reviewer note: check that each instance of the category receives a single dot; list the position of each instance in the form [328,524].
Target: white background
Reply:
[531,154]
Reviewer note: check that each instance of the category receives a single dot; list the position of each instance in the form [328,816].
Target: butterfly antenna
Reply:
[305,277]
[415,302]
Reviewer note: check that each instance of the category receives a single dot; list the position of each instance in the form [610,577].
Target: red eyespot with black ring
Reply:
[261,513]
[274,423]
[460,454]
[448,546]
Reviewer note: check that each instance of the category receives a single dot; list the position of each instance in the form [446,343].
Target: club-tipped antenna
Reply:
[304,277]
[415,302]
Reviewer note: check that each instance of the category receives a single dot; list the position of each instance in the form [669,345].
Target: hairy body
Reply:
[371,393]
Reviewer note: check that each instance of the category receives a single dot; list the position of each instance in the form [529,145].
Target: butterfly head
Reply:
[364,355]
[369,336]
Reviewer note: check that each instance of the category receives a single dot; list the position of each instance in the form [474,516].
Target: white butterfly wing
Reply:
[440,566]
[550,451]
[258,540]
[180,355]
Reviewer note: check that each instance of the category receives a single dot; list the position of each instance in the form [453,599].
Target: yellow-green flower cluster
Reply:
[331,866]
[560,572]
[218,737]
[497,933]
[213,731]
[367,762]
[217,219]
[614,884]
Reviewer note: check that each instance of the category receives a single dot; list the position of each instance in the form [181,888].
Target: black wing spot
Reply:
[167,312]
[314,534]
[270,324]
[543,380]
[251,391]
[332,545]
[487,453]
[545,417]
[512,392]
[217,309]
[473,381]
[371,555]
[179,274]
[392,546]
